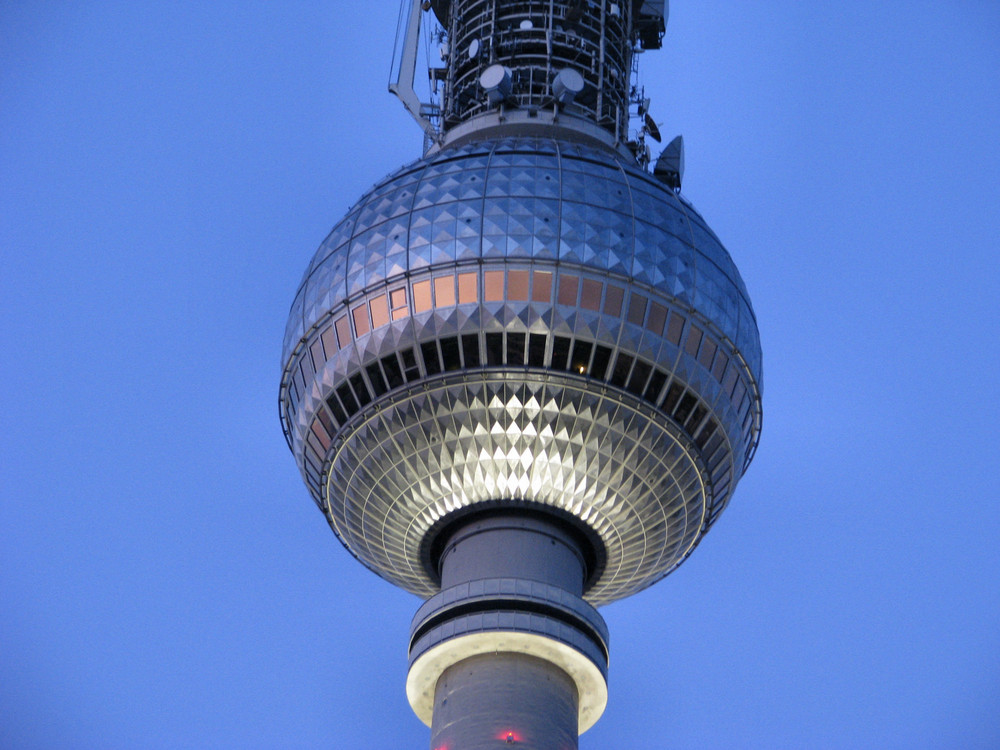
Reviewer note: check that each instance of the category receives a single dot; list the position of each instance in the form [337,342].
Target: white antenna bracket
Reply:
[402,86]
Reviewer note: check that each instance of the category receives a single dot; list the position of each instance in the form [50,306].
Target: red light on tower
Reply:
[509,736]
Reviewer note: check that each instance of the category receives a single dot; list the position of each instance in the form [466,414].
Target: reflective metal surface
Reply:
[522,320]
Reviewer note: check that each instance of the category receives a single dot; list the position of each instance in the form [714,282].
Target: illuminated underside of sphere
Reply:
[522,322]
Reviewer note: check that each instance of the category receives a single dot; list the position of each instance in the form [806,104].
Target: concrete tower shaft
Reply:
[509,633]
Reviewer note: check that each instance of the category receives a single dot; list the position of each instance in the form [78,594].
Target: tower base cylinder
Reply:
[504,699]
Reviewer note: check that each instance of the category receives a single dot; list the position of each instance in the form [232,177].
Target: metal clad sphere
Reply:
[524,320]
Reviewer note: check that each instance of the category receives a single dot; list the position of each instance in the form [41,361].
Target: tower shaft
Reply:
[496,656]
[486,701]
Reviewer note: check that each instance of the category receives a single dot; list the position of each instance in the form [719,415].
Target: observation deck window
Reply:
[602,356]
[393,373]
[470,349]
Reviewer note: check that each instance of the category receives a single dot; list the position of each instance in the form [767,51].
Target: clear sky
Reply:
[167,170]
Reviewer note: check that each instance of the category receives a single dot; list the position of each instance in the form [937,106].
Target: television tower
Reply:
[522,376]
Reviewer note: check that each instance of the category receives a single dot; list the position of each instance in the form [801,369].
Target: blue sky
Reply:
[168,169]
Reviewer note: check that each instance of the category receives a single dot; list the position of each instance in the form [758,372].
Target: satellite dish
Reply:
[495,81]
[669,168]
[473,49]
[654,132]
[527,25]
[566,85]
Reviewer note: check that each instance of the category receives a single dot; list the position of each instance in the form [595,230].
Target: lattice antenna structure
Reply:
[521,65]
[522,377]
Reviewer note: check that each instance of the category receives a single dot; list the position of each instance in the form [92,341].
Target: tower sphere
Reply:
[522,322]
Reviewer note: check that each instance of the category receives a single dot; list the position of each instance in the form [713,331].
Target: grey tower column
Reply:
[508,652]
[506,698]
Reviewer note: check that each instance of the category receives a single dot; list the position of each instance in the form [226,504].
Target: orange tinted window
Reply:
[329,341]
[657,317]
[613,301]
[591,297]
[542,291]
[343,331]
[493,281]
[568,286]
[380,311]
[467,287]
[422,296]
[317,354]
[517,285]
[637,309]
[444,291]
[361,324]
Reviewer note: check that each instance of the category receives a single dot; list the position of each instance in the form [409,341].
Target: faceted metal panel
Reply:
[601,201]
[544,439]
[595,259]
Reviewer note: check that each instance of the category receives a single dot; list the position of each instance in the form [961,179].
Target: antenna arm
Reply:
[402,87]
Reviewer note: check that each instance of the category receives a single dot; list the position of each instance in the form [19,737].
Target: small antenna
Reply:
[650,127]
